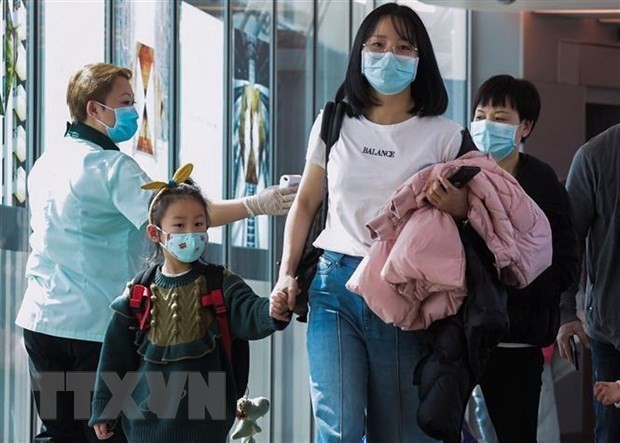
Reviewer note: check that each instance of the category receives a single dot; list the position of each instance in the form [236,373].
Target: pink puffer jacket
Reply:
[415,271]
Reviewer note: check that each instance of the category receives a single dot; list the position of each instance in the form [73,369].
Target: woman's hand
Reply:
[444,196]
[282,298]
[101,429]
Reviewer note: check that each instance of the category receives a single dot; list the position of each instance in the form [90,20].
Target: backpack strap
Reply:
[140,300]
[214,276]
[333,114]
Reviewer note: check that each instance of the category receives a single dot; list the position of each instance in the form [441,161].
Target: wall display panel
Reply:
[13,99]
[143,42]
[251,138]
[73,36]
[202,111]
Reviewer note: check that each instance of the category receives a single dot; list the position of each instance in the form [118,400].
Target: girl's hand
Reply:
[607,392]
[278,307]
[101,429]
[444,196]
[282,298]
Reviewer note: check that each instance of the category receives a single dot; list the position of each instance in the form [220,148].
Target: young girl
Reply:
[181,337]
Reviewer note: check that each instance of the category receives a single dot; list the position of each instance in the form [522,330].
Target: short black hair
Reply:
[428,90]
[505,90]
[185,190]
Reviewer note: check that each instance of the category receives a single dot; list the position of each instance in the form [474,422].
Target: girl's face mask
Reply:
[186,247]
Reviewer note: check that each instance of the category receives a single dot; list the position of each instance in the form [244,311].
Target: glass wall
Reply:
[13,101]
[295,40]
[332,48]
[250,162]
[447,28]
[14,128]
[232,86]
[202,116]
[73,36]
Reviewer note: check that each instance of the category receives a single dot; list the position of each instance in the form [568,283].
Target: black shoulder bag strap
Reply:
[330,132]
[467,144]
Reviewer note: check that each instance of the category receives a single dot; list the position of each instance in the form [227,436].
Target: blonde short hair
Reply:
[92,82]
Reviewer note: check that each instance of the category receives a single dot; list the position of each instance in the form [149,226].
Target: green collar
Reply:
[164,281]
[85,132]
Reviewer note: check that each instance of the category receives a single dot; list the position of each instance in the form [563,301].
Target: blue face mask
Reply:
[126,123]
[495,138]
[387,72]
[186,247]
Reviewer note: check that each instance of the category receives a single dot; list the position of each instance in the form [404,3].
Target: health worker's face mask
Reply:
[126,123]
[388,73]
[186,247]
[494,138]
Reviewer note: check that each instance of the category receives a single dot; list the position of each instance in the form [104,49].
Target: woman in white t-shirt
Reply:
[361,368]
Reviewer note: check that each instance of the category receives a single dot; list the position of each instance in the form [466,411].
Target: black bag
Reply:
[214,277]
[330,132]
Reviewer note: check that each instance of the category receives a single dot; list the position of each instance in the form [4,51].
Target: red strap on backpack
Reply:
[215,298]
[140,305]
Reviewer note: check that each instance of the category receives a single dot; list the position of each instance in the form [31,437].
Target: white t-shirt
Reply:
[87,214]
[367,164]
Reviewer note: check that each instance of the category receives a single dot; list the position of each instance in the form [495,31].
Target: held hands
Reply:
[101,429]
[567,330]
[270,201]
[444,196]
[607,392]
[282,298]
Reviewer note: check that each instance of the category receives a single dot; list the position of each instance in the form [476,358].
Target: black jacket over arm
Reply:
[534,311]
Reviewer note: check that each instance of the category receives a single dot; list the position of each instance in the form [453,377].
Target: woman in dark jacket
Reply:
[505,113]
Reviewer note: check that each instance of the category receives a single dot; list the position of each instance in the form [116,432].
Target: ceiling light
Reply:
[578,11]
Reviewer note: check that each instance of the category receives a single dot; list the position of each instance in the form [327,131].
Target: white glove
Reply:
[270,201]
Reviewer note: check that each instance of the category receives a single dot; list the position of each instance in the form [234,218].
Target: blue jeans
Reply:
[605,367]
[361,369]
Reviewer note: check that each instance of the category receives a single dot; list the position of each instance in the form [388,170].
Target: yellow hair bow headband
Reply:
[178,178]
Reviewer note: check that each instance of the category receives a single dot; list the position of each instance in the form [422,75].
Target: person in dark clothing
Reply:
[594,191]
[505,113]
